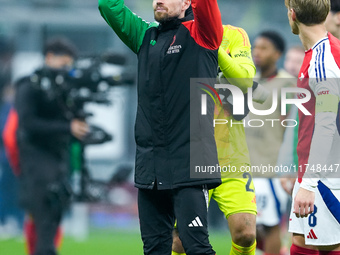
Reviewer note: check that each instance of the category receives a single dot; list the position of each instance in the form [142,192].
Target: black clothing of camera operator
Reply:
[43,140]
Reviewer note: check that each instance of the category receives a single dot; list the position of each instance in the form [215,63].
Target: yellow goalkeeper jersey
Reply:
[236,63]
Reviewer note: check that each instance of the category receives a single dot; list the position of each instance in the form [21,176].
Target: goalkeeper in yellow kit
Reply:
[236,195]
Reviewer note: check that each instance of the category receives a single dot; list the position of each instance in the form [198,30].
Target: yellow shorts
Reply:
[235,195]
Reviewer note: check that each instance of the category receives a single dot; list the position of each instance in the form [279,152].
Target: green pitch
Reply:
[108,243]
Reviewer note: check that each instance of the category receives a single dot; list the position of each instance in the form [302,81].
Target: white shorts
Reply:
[320,227]
[271,201]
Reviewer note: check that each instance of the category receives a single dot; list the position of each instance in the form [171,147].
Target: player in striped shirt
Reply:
[315,216]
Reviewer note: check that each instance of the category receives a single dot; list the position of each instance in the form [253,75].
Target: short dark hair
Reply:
[60,46]
[275,38]
[335,5]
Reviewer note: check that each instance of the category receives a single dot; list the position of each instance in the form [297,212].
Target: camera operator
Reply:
[43,137]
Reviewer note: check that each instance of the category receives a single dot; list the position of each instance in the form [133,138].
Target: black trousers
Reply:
[45,193]
[46,218]
[158,210]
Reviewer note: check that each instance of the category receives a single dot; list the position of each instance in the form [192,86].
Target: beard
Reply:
[161,17]
[294,28]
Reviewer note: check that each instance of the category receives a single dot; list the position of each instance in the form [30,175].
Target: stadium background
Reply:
[112,228]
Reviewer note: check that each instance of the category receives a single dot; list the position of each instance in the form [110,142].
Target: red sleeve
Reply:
[10,141]
[207,28]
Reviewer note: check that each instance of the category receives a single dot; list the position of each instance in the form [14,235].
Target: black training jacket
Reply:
[169,55]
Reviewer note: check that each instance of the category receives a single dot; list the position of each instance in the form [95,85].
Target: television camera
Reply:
[89,81]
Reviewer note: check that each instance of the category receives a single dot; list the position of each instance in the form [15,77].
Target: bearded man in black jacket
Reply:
[169,136]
